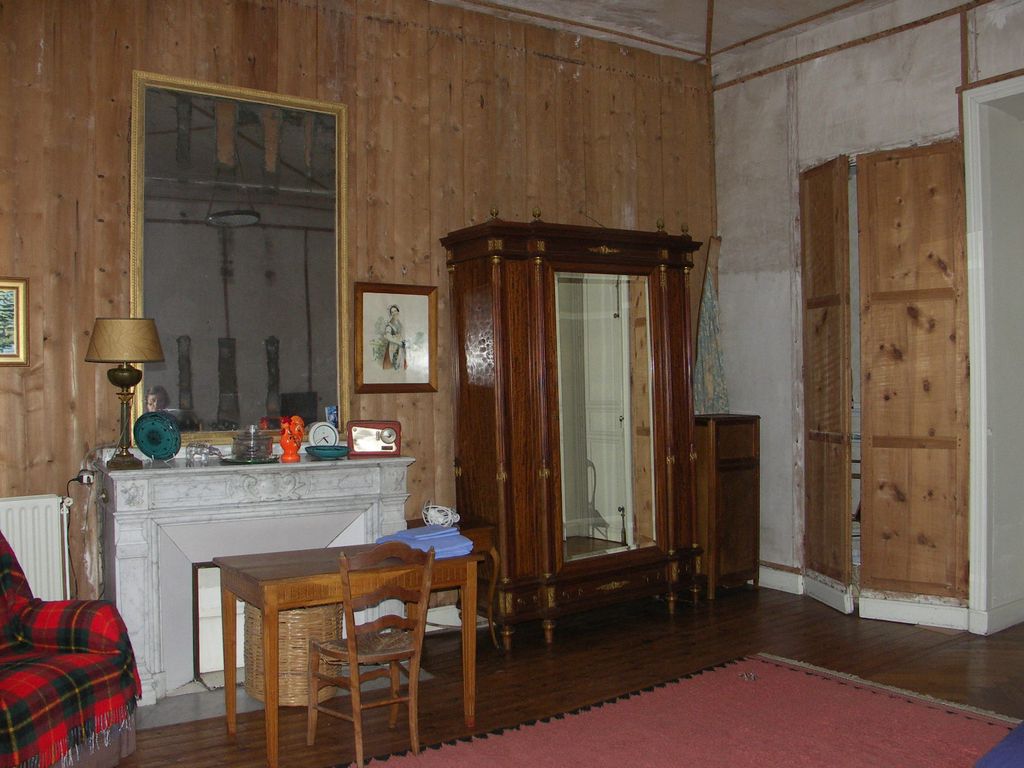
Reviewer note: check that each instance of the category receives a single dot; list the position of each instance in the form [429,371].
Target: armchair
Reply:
[68,680]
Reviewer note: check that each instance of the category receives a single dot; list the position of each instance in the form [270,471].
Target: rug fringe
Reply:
[562,715]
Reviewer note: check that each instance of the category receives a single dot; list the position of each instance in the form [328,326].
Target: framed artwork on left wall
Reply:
[395,338]
[13,321]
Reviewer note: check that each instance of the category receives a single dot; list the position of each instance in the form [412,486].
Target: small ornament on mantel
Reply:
[292,431]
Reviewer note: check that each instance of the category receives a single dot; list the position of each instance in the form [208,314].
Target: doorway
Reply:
[994,165]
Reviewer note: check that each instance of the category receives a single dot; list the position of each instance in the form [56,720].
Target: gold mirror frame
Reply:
[141,81]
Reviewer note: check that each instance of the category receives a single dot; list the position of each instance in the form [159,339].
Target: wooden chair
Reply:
[387,572]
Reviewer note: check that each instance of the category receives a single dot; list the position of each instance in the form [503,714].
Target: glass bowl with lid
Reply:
[251,444]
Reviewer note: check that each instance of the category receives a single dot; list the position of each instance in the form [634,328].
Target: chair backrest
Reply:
[392,571]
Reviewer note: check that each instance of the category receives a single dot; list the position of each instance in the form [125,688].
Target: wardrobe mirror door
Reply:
[604,406]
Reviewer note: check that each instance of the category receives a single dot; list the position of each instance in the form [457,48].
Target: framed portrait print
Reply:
[396,338]
[13,321]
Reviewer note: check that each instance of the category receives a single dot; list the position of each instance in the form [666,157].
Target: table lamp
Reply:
[124,340]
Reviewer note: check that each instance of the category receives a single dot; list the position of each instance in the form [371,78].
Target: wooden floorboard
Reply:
[601,654]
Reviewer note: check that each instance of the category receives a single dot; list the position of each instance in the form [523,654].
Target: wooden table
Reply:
[281,581]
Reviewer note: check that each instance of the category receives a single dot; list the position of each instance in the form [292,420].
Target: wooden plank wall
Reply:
[451,113]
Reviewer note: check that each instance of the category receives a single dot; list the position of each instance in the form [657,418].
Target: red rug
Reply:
[759,712]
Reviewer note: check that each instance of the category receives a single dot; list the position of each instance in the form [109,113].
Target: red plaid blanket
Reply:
[67,671]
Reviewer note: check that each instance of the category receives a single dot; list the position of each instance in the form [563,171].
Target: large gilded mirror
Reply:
[238,254]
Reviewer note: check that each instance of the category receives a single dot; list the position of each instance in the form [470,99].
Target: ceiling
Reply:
[670,26]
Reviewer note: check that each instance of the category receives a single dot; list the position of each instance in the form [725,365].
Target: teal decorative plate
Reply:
[157,435]
[327,452]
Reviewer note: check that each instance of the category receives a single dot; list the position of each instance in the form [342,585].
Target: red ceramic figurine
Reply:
[292,431]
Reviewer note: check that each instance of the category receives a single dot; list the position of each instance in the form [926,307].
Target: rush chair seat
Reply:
[387,572]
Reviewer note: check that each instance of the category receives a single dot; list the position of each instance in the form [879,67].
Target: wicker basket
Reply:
[295,629]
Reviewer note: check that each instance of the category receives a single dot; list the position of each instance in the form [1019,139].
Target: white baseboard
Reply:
[907,612]
[783,581]
[448,617]
[833,595]
[443,617]
[996,619]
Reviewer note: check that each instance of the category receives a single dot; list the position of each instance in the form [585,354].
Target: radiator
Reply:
[36,528]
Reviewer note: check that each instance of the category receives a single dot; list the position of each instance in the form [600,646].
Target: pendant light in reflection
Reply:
[227,157]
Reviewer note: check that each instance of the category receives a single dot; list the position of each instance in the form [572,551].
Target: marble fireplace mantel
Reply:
[160,520]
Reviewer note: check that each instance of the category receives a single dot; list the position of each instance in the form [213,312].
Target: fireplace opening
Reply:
[207,628]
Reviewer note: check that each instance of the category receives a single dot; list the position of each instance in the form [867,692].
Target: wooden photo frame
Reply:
[13,321]
[395,338]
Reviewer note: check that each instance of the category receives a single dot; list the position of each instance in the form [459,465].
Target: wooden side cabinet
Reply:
[728,498]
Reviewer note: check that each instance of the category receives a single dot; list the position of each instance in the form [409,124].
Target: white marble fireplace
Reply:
[160,520]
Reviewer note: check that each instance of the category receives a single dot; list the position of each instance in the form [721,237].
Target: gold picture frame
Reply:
[395,338]
[13,321]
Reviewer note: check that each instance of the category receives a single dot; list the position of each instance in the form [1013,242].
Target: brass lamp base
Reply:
[124,376]
[120,461]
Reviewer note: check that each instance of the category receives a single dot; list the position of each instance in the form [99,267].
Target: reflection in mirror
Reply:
[238,253]
[604,387]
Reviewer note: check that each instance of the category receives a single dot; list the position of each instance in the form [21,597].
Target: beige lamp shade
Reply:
[124,340]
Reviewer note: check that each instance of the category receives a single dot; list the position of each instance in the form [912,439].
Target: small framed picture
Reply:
[396,338]
[13,321]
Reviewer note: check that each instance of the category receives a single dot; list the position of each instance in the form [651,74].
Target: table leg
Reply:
[270,676]
[228,610]
[469,645]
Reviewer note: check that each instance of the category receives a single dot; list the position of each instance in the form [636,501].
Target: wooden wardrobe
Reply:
[573,414]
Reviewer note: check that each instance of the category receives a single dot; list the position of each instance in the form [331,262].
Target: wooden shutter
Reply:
[824,230]
[914,369]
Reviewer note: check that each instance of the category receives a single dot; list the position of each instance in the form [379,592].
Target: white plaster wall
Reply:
[753,166]
[756,219]
[893,92]
[868,19]
[998,38]
[897,90]
[759,337]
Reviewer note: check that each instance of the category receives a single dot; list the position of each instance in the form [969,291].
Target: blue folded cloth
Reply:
[447,542]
